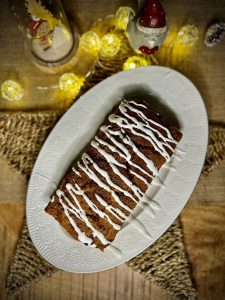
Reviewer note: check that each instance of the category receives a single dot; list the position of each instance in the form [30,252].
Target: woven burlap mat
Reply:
[21,137]
[216,147]
[166,264]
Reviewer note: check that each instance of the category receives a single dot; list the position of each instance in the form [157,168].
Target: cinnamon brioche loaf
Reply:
[101,190]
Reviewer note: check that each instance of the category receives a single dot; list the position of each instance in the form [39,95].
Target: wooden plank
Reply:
[211,187]
[156,293]
[205,242]
[7,245]
[124,288]
[77,283]
[138,290]
[65,284]
[106,285]
[90,282]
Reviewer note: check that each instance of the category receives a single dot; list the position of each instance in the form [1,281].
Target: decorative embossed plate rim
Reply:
[161,205]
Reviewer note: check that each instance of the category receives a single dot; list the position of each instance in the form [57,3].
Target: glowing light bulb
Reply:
[90,42]
[188,34]
[122,16]
[12,90]
[110,45]
[134,62]
[69,82]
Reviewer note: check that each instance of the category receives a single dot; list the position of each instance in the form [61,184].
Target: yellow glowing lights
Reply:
[122,17]
[12,90]
[134,62]
[110,45]
[180,45]
[69,82]
[188,34]
[90,42]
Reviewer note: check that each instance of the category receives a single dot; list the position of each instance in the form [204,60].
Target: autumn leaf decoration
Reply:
[35,8]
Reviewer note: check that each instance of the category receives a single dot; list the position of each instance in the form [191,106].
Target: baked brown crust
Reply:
[140,177]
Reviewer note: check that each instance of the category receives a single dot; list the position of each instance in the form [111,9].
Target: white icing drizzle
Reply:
[114,211]
[76,172]
[128,141]
[93,176]
[156,180]
[141,128]
[140,113]
[109,158]
[80,213]
[112,148]
[115,150]
[149,163]
[139,176]
[113,162]
[145,130]
[138,104]
[126,154]
[81,235]
[147,133]
[125,151]
[72,190]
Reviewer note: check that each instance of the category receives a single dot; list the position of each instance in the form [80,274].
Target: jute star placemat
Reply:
[166,262]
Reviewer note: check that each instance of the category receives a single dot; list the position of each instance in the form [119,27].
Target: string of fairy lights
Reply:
[106,46]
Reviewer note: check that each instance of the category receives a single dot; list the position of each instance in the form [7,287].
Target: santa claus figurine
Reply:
[148,29]
[41,30]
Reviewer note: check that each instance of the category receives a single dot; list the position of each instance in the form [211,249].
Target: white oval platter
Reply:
[171,94]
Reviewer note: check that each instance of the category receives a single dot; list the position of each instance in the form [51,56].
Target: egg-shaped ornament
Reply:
[148,29]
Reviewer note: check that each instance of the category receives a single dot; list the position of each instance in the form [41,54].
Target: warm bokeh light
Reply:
[188,34]
[134,62]
[110,45]
[12,90]
[122,17]
[90,42]
[71,83]
[178,46]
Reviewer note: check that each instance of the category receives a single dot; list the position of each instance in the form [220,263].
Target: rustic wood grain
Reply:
[204,226]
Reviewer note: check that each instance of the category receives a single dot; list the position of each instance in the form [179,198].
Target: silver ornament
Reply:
[214,34]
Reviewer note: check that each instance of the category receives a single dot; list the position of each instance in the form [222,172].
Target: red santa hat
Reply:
[34,25]
[152,19]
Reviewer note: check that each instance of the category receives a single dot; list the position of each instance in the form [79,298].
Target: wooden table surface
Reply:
[204,216]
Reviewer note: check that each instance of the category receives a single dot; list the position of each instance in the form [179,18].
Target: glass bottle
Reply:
[45,28]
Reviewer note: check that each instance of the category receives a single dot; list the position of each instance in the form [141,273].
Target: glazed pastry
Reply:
[102,189]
